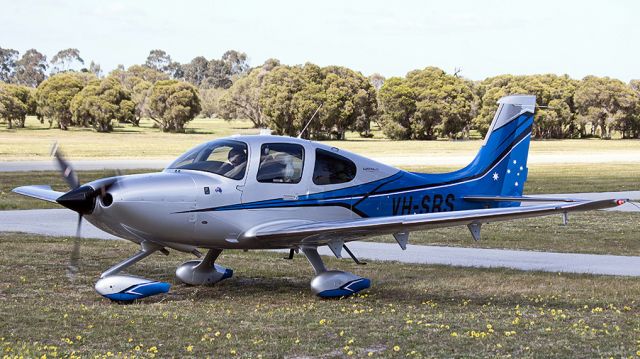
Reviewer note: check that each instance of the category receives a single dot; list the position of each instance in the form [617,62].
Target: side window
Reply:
[280,163]
[331,168]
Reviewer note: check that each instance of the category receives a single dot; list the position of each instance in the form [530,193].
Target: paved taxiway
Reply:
[62,222]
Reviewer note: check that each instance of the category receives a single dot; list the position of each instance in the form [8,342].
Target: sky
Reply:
[480,38]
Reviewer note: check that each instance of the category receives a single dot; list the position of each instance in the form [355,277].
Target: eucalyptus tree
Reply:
[172,104]
[54,97]
[607,104]
[8,59]
[65,60]
[426,104]
[101,102]
[31,69]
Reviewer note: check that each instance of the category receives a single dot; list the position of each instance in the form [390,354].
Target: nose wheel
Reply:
[205,271]
[123,288]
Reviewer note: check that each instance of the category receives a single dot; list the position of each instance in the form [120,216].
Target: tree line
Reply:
[425,104]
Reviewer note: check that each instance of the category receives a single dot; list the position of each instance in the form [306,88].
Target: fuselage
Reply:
[203,201]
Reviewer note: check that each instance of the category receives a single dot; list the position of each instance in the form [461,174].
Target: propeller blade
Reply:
[68,173]
[72,268]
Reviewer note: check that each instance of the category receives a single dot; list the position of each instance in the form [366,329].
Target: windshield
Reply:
[223,157]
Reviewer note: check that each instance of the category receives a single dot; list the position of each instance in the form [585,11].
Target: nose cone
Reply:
[81,200]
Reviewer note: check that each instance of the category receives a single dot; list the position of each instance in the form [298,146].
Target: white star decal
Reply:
[514,162]
[521,168]
[495,176]
[508,171]
[516,184]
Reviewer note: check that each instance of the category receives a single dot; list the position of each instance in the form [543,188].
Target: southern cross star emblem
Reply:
[513,168]
[495,176]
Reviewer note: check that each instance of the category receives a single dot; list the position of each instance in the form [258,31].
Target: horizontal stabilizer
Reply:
[519,199]
[43,192]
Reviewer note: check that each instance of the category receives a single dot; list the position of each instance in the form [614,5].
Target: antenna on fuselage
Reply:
[311,119]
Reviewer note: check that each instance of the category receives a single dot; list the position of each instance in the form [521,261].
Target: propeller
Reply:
[80,199]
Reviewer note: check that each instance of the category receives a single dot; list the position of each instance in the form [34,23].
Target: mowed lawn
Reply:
[268,311]
[34,142]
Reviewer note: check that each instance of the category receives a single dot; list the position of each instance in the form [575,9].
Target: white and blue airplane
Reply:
[273,192]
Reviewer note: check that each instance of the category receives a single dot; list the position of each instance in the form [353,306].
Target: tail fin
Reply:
[503,156]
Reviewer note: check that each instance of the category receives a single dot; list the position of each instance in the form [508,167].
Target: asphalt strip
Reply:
[62,222]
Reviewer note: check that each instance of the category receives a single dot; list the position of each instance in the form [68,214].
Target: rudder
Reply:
[505,149]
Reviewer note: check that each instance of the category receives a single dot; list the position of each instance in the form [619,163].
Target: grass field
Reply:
[267,310]
[34,142]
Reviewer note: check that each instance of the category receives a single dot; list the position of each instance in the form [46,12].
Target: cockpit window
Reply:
[331,168]
[280,163]
[223,157]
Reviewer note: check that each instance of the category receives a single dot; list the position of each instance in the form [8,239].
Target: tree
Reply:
[289,97]
[172,104]
[95,69]
[31,68]
[236,62]
[221,73]
[242,100]
[15,102]
[101,102]
[377,81]
[554,95]
[131,76]
[276,99]
[426,104]
[210,100]
[54,97]
[159,60]
[7,64]
[195,72]
[349,102]
[138,80]
[218,75]
[397,105]
[140,97]
[607,104]
[65,60]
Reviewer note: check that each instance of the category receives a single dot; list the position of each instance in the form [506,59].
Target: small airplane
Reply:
[273,192]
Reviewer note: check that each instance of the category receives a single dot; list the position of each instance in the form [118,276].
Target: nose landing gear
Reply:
[123,288]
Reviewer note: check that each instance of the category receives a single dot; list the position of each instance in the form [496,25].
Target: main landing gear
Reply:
[332,283]
[205,271]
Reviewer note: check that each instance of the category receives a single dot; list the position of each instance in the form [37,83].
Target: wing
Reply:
[44,193]
[288,233]
[519,199]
